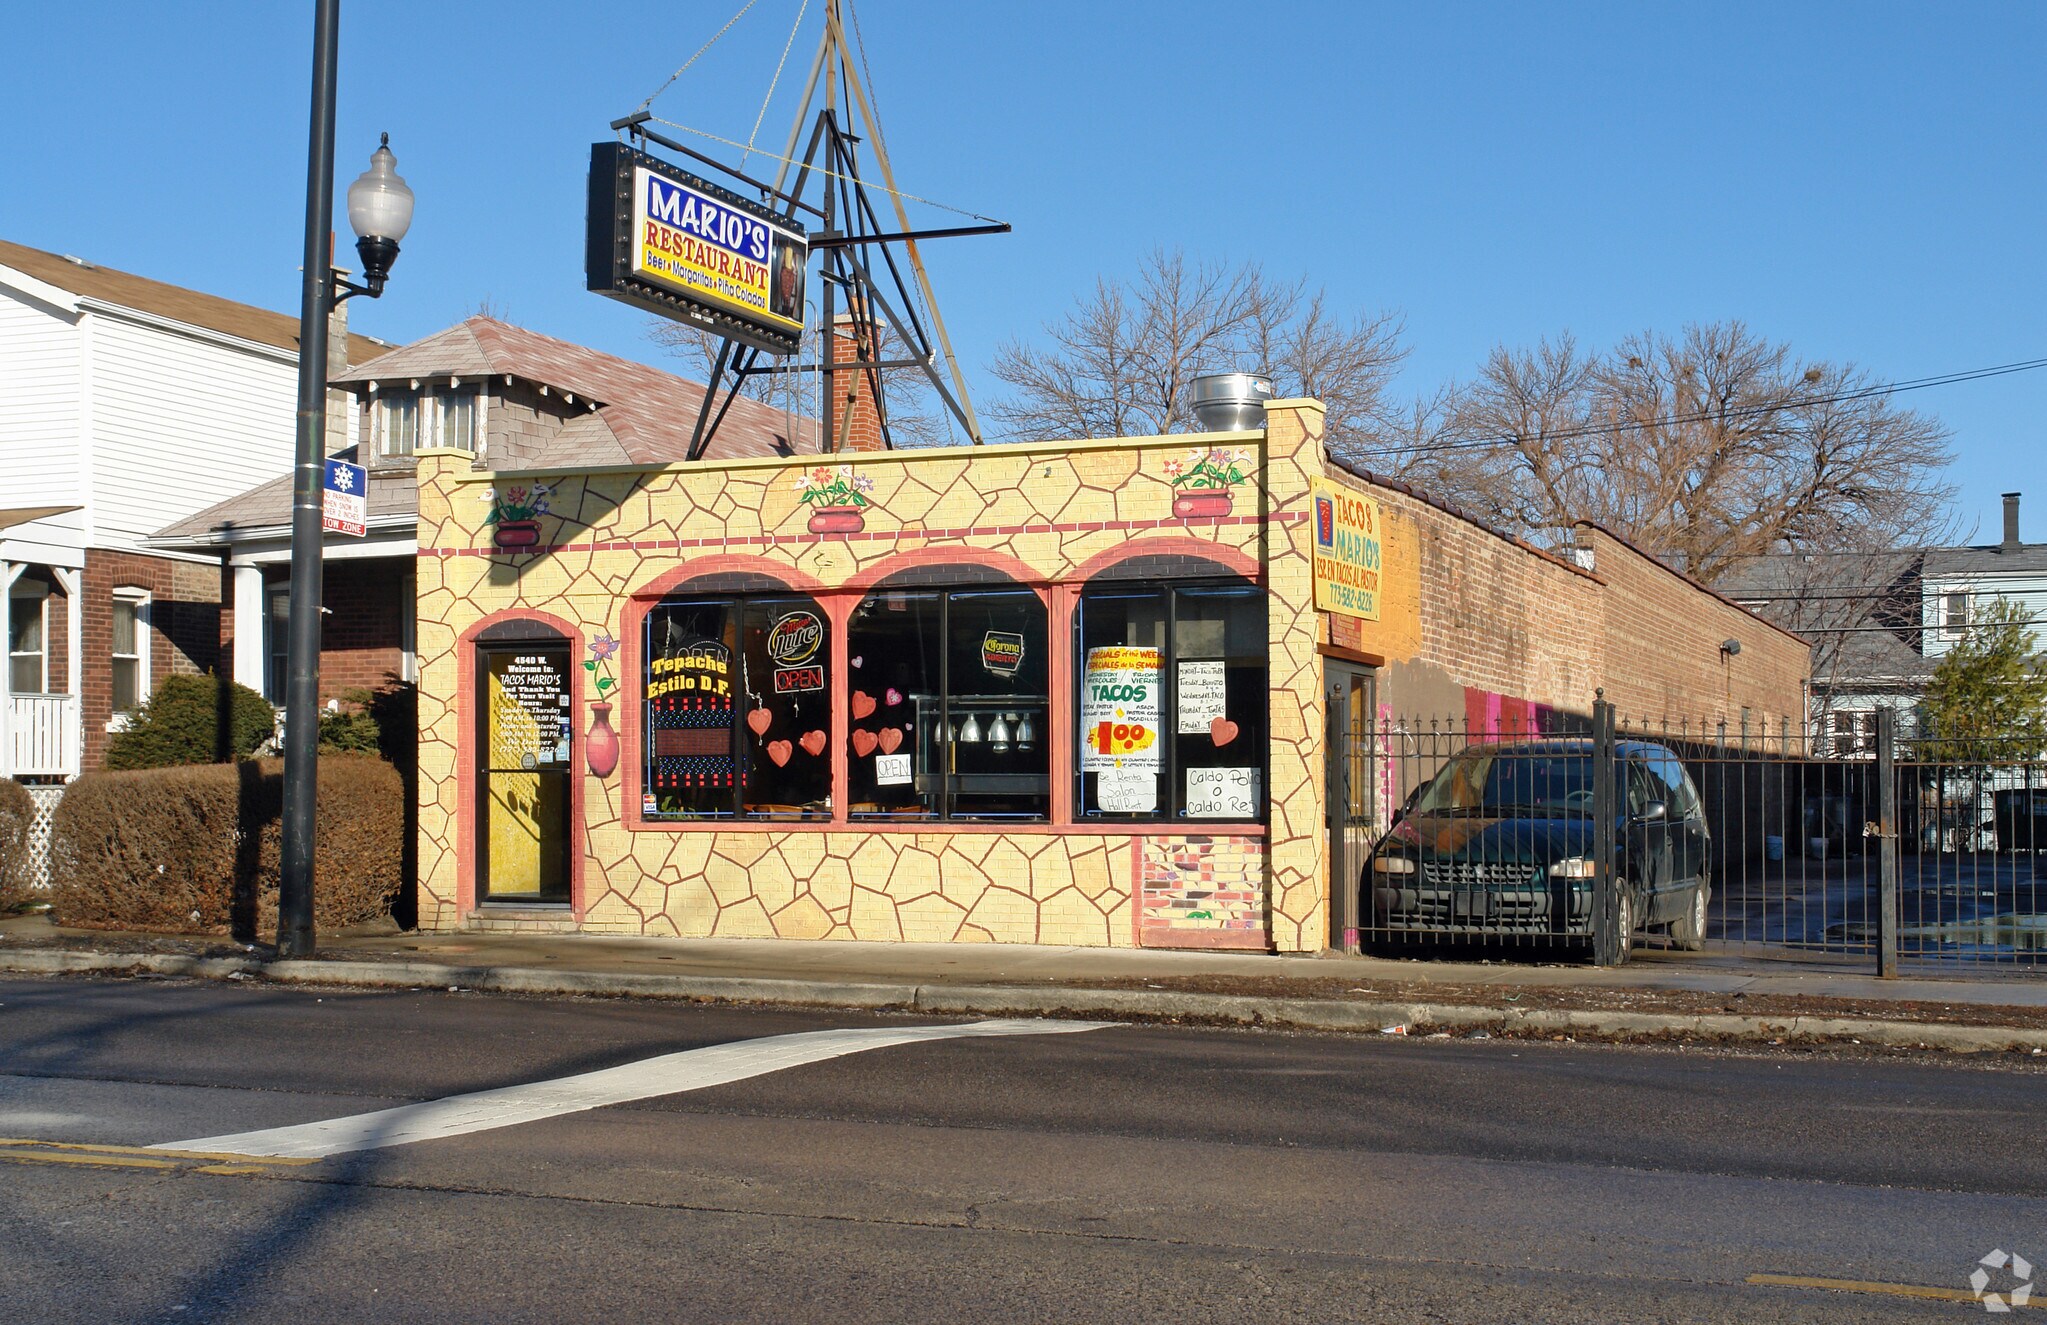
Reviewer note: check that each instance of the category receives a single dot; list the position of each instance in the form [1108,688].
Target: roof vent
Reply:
[77,261]
[1230,402]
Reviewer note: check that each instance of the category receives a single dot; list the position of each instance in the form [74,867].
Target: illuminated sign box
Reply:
[682,247]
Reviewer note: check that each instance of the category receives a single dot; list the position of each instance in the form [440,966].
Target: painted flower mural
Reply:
[600,749]
[1202,482]
[835,496]
[515,512]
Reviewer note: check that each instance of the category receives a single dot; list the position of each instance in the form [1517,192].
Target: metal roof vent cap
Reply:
[1230,402]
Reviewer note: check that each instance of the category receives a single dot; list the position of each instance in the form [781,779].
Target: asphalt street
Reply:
[1044,1173]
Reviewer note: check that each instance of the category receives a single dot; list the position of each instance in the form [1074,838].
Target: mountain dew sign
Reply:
[1347,550]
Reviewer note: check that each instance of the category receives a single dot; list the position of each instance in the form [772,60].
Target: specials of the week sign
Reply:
[683,247]
[1348,550]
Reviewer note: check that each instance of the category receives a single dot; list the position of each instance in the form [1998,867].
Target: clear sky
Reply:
[1867,181]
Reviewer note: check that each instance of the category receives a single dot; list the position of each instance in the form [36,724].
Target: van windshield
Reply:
[1502,783]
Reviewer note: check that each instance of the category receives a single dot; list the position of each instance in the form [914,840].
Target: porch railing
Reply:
[42,736]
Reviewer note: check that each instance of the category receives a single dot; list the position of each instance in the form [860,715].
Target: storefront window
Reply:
[1172,695]
[737,711]
[947,694]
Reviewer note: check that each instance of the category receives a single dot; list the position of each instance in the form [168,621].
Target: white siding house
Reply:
[124,403]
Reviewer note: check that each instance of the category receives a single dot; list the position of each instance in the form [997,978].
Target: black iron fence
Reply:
[1602,836]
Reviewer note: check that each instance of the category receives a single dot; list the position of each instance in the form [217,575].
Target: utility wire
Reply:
[1707,416]
[699,55]
[828,174]
[773,82]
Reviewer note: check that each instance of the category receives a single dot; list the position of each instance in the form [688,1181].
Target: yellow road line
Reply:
[154,1151]
[1868,1286]
[100,1161]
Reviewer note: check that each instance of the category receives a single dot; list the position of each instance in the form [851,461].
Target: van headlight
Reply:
[1572,867]
[1392,865]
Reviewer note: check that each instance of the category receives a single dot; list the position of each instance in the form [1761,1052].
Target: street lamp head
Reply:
[380,211]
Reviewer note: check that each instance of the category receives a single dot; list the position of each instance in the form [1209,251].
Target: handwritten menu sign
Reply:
[1127,790]
[1224,793]
[1200,697]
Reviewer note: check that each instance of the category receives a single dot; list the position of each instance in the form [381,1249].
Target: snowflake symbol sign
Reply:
[2021,1269]
[343,480]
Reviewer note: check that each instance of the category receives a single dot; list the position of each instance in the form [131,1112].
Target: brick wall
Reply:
[362,639]
[1201,892]
[855,392]
[183,629]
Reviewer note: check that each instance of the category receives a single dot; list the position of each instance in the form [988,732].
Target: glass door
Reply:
[1349,694]
[523,788]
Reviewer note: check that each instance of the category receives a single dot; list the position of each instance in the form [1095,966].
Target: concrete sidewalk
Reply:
[1658,995]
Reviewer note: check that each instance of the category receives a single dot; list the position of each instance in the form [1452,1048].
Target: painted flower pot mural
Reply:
[835,496]
[1202,482]
[514,519]
[600,748]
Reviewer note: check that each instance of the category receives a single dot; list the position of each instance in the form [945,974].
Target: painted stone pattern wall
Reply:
[611,543]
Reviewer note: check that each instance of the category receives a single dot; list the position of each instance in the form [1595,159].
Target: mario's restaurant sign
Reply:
[686,248]
[1347,550]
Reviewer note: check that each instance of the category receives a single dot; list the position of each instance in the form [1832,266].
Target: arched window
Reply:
[736,708]
[947,693]
[1173,693]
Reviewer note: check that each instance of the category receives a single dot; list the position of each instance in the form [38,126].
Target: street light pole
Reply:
[302,658]
[380,211]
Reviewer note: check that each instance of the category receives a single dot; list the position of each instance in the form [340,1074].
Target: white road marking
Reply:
[669,1074]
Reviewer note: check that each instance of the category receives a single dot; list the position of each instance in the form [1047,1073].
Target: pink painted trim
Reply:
[468,814]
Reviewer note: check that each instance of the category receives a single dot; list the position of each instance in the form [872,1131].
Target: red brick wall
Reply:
[183,629]
[362,636]
[863,430]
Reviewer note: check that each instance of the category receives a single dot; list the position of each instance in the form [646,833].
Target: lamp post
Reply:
[380,211]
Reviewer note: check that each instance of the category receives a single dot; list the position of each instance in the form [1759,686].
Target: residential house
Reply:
[514,399]
[123,401]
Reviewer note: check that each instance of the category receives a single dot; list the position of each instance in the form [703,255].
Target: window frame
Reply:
[737,606]
[948,792]
[1953,627]
[41,653]
[139,601]
[1171,773]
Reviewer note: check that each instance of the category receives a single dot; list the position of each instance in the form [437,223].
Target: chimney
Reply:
[2011,523]
[856,423]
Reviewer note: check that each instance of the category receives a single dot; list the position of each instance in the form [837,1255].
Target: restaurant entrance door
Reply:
[1349,694]
[523,785]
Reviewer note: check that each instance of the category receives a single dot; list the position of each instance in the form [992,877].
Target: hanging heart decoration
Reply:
[813,741]
[857,659]
[1221,730]
[891,737]
[863,704]
[759,720]
[779,751]
[894,696]
[863,742]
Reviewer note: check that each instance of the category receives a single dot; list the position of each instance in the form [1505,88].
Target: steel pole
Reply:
[1887,840]
[302,657]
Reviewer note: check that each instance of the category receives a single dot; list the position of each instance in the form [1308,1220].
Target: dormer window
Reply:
[407,419]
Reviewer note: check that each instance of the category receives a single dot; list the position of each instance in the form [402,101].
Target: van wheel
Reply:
[1689,929]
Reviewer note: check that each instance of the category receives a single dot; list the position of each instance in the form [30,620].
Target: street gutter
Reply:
[1162,1006]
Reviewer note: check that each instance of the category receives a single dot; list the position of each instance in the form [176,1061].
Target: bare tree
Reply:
[1705,449]
[1118,365]
[908,405]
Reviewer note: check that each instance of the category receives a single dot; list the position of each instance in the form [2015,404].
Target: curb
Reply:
[1007,1000]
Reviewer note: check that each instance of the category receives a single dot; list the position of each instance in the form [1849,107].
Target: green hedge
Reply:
[190,720]
[17,812]
[195,849]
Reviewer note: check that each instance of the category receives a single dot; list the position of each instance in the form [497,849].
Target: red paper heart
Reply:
[812,741]
[759,719]
[863,704]
[895,696]
[779,751]
[891,737]
[863,742]
[1221,730]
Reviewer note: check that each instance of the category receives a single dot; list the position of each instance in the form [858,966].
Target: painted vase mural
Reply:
[514,519]
[600,748]
[835,496]
[1202,482]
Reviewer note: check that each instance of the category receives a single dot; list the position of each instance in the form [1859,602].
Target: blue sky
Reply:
[1863,180]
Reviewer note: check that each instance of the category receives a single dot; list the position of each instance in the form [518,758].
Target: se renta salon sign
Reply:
[687,249]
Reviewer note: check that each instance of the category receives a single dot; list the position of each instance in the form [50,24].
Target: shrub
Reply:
[17,812]
[190,720]
[195,849]
[384,721]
